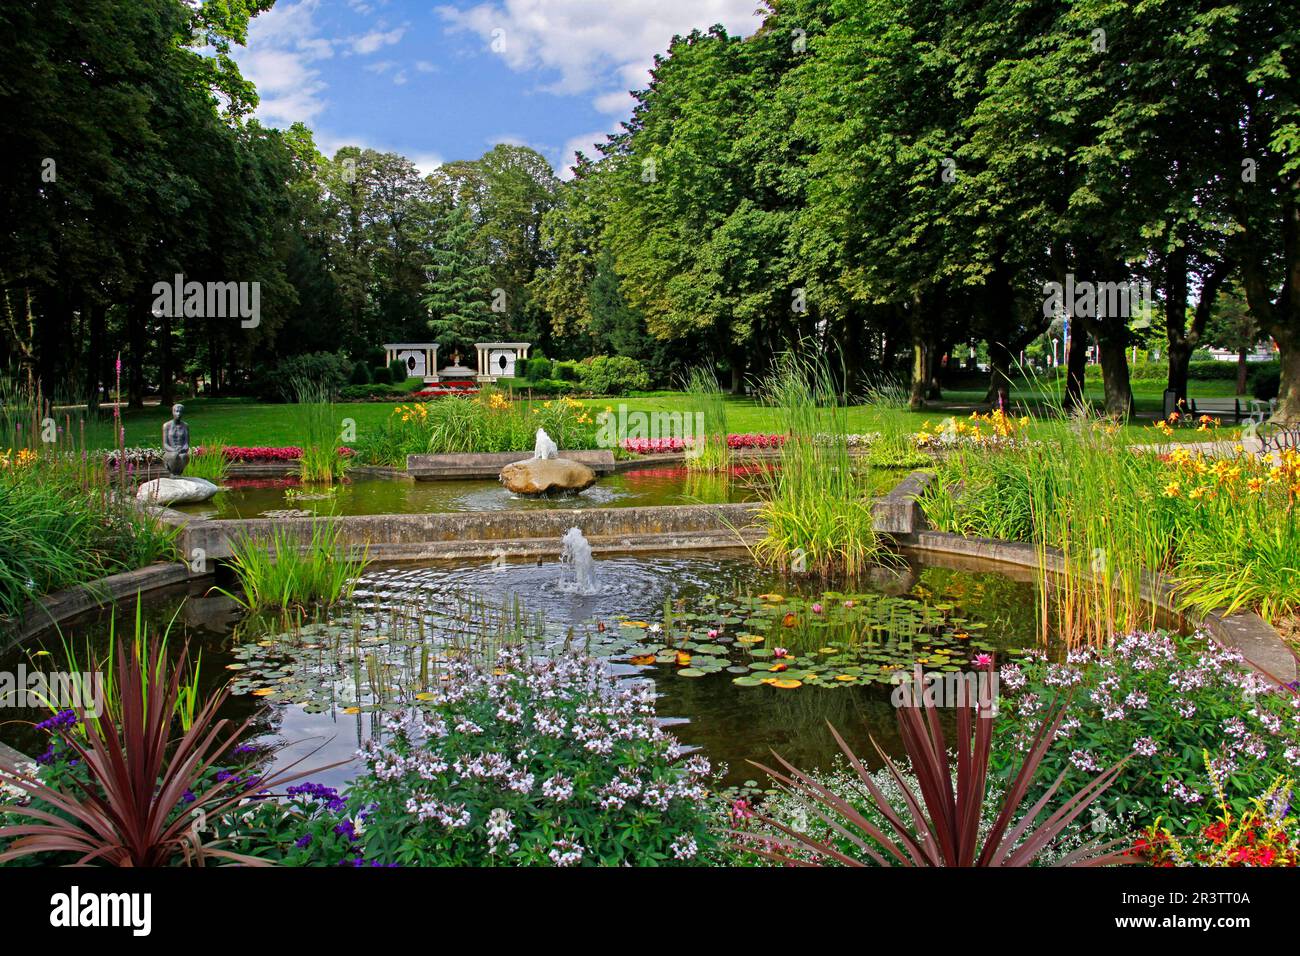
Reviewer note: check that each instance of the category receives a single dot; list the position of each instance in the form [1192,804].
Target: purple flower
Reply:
[64,718]
[349,830]
[303,841]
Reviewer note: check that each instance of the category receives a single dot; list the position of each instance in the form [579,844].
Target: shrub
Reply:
[614,375]
[397,371]
[540,386]
[328,370]
[360,374]
[1165,701]
[1266,382]
[523,761]
[538,368]
[566,371]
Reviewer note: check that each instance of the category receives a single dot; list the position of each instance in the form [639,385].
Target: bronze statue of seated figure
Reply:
[176,443]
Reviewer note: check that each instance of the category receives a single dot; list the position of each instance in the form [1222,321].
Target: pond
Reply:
[743,660]
[665,485]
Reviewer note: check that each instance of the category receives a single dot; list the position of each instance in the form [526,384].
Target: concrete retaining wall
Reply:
[447,535]
[61,605]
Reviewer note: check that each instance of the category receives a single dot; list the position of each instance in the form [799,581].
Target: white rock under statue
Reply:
[176,491]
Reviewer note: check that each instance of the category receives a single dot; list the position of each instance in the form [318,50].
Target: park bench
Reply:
[1219,408]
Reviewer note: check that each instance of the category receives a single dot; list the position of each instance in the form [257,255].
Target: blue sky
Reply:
[439,81]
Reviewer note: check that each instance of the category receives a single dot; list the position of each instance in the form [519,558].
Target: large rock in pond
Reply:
[542,476]
[176,491]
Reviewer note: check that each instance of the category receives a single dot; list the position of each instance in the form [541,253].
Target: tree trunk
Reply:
[1243,370]
[166,391]
[94,354]
[1180,357]
[737,362]
[920,366]
[999,372]
[1076,367]
[1288,396]
[1115,377]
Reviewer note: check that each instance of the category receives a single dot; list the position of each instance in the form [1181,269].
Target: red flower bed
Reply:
[755,440]
[450,387]
[659,446]
[267,454]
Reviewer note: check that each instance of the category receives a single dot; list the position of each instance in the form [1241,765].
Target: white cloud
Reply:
[329,144]
[584,40]
[376,40]
[400,78]
[619,103]
[283,45]
[586,142]
[381,66]
[424,66]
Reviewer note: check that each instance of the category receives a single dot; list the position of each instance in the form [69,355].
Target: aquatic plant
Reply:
[710,451]
[815,513]
[209,461]
[945,805]
[282,572]
[318,420]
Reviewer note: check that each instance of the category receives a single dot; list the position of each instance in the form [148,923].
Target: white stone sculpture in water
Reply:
[545,448]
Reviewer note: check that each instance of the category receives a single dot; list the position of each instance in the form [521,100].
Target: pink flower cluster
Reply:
[452,387]
[755,440]
[654,446]
[659,446]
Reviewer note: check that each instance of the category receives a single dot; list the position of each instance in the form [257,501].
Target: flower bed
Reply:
[255,455]
[1196,723]
[660,446]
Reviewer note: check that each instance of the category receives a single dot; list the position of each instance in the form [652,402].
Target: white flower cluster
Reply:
[490,721]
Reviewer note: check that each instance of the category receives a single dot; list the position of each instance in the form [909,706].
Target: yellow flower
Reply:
[1171,490]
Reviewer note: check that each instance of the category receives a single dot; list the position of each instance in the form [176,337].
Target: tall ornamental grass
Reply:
[710,452]
[817,515]
[281,573]
[489,422]
[62,522]
[1223,532]
[319,423]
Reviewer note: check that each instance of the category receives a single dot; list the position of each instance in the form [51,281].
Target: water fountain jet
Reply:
[575,555]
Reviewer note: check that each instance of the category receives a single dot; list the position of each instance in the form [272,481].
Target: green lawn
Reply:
[241,422]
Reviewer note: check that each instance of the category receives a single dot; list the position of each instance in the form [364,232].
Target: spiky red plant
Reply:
[131,808]
[945,822]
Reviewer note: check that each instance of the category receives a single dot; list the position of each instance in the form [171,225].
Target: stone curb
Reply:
[56,608]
